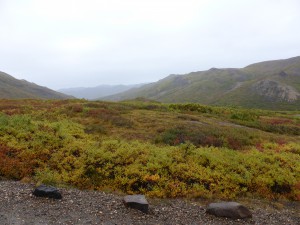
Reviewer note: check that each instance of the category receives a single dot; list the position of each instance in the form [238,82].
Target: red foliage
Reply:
[259,147]
[212,141]
[104,114]
[11,165]
[234,143]
[278,121]
[281,141]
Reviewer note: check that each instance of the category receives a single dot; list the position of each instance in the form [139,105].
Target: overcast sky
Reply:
[71,43]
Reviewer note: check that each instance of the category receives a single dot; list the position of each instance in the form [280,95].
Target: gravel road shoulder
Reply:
[19,206]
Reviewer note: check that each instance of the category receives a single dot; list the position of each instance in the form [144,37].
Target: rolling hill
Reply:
[267,85]
[12,88]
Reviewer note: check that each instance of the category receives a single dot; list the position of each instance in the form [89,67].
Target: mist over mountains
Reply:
[100,91]
[266,85]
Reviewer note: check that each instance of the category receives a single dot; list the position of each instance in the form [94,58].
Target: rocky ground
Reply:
[19,206]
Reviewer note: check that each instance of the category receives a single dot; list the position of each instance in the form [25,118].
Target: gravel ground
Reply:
[19,206]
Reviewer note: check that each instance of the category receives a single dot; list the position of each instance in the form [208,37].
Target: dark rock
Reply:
[283,74]
[47,191]
[136,202]
[281,189]
[232,210]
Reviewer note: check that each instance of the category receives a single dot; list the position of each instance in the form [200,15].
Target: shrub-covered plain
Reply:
[178,150]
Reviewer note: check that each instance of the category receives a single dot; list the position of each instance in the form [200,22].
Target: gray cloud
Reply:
[64,43]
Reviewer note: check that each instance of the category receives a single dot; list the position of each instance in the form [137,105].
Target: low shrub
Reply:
[194,160]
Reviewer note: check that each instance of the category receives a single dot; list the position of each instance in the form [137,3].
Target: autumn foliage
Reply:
[156,149]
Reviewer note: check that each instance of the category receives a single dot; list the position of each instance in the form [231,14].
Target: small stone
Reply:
[47,191]
[138,202]
[232,210]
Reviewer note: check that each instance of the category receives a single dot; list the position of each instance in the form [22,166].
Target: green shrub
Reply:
[55,147]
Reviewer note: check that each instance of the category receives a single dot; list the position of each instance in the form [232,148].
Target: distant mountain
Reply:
[13,88]
[97,92]
[266,85]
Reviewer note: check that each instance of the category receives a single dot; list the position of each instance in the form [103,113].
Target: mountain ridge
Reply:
[267,85]
[12,88]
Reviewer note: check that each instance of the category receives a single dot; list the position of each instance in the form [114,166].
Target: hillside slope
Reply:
[13,88]
[268,85]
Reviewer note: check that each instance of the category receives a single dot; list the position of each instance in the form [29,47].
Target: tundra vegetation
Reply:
[161,150]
